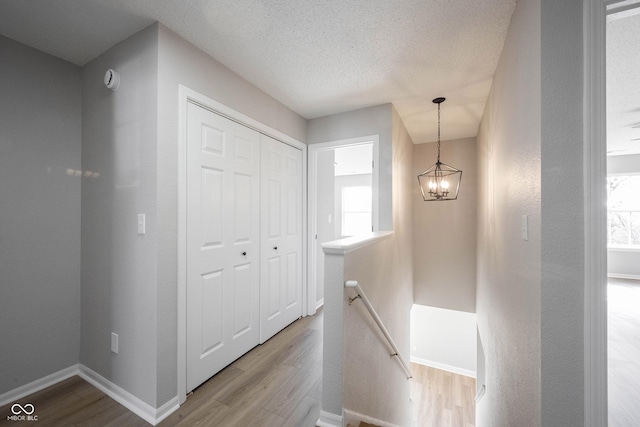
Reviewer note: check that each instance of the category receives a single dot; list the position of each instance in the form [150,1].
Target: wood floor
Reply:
[623,300]
[277,384]
[441,398]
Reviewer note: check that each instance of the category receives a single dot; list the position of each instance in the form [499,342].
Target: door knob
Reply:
[244,254]
[275,248]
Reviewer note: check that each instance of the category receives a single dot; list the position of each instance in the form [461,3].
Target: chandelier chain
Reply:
[438,133]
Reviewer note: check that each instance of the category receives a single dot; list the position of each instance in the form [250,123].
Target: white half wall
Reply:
[444,339]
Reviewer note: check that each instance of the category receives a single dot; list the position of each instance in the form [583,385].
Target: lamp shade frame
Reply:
[431,182]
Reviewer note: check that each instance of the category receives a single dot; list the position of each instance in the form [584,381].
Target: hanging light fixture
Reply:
[440,181]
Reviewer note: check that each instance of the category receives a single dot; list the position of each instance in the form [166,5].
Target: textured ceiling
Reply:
[623,84]
[317,57]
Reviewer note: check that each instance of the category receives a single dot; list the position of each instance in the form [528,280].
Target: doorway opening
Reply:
[623,212]
[343,199]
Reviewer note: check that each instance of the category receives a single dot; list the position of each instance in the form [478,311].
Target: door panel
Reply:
[223,220]
[281,236]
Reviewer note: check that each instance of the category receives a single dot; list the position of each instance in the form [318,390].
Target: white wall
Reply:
[119,279]
[444,339]
[444,239]
[40,134]
[508,268]
[359,123]
[623,262]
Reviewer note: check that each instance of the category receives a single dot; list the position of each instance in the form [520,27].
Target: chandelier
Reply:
[440,182]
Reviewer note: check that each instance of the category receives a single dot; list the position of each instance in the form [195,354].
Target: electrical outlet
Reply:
[114,342]
[414,348]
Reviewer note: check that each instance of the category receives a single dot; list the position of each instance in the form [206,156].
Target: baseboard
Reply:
[623,276]
[37,385]
[319,304]
[444,367]
[142,409]
[354,418]
[327,419]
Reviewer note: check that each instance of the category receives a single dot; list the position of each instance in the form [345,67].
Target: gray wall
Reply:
[621,262]
[119,280]
[39,214]
[562,214]
[181,63]
[385,272]
[509,268]
[358,123]
[444,239]
[530,303]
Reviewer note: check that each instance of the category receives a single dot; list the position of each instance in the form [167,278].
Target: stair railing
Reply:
[353,284]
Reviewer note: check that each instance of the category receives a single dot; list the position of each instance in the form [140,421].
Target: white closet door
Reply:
[281,237]
[223,220]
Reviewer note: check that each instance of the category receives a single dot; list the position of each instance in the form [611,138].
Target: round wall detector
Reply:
[112,79]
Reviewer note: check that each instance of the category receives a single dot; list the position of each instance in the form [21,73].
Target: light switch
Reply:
[142,229]
[525,227]
[114,342]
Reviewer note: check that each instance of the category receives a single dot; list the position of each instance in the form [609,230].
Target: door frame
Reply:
[186,95]
[595,14]
[314,149]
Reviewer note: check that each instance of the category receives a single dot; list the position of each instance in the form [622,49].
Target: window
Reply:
[623,206]
[356,210]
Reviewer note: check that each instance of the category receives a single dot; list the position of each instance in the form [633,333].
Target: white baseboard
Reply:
[128,400]
[37,385]
[354,418]
[327,419]
[623,276]
[444,367]
[120,395]
[319,304]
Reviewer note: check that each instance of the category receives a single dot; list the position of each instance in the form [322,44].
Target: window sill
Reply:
[624,248]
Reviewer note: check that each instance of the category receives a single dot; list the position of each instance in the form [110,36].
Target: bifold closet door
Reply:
[223,232]
[281,237]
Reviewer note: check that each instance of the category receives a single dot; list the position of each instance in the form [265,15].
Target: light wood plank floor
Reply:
[441,398]
[623,300]
[276,384]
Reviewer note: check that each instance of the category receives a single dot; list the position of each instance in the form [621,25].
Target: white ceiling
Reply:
[623,84]
[318,57]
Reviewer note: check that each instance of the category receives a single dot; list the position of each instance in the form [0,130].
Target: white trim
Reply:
[444,367]
[350,244]
[311,201]
[623,248]
[620,276]
[354,418]
[595,238]
[327,419]
[319,304]
[37,385]
[186,95]
[128,400]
